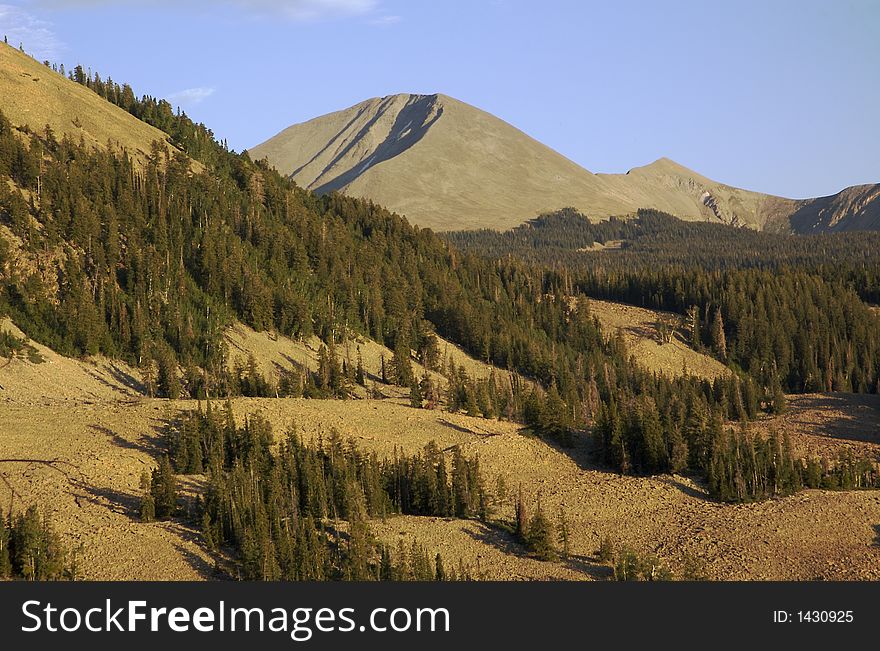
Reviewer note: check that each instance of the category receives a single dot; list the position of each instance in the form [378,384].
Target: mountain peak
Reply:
[447,165]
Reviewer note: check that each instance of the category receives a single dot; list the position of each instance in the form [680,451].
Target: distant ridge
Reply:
[450,166]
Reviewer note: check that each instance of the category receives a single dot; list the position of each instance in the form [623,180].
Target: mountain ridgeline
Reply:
[449,166]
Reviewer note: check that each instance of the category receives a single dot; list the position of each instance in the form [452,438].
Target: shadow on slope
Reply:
[411,124]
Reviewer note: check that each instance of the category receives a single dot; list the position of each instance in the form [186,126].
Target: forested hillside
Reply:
[151,261]
[793,307]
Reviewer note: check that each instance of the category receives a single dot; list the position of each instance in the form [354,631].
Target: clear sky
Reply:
[777,96]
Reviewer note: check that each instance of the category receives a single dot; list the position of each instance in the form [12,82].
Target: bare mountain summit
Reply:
[448,166]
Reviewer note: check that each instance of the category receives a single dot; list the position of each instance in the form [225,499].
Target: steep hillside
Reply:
[32,95]
[639,327]
[673,188]
[853,209]
[274,353]
[42,376]
[84,463]
[449,166]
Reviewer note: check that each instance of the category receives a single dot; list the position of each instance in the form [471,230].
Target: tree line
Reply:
[152,261]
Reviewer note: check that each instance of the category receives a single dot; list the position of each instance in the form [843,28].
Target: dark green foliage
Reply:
[607,552]
[782,308]
[539,537]
[163,490]
[147,510]
[5,553]
[360,375]
[630,566]
[281,511]
[746,468]
[537,532]
[563,534]
[31,550]
[12,346]
[158,260]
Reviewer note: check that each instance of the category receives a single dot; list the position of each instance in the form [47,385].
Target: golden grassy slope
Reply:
[639,328]
[32,95]
[274,352]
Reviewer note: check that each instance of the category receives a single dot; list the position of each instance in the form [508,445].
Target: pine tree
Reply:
[606,550]
[167,380]
[693,323]
[539,537]
[401,365]
[163,488]
[719,340]
[360,376]
[148,503]
[521,523]
[5,561]
[428,391]
[778,401]
[563,534]
[415,396]
[439,571]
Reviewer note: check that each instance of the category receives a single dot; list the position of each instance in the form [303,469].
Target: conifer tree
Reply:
[563,534]
[693,325]
[719,340]
[415,396]
[778,401]
[360,376]
[5,561]
[521,523]
[163,488]
[539,537]
[148,503]
[401,365]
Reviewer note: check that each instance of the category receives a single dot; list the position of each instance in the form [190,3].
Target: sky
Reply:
[777,96]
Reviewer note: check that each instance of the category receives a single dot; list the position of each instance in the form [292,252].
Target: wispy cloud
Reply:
[385,21]
[191,96]
[298,10]
[21,27]
[314,9]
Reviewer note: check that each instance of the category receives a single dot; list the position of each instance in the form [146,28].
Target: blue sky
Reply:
[777,96]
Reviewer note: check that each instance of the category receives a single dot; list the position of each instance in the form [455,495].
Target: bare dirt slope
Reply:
[639,328]
[274,352]
[447,165]
[827,425]
[856,208]
[101,450]
[82,464]
[33,95]
[61,379]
